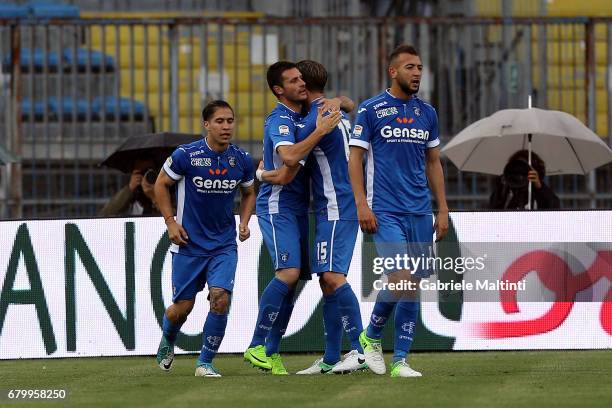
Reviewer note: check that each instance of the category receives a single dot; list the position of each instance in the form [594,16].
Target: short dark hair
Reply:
[313,74]
[275,73]
[212,107]
[402,49]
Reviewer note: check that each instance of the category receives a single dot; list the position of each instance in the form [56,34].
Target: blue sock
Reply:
[350,315]
[380,315]
[269,307]
[405,324]
[214,330]
[280,325]
[170,330]
[333,329]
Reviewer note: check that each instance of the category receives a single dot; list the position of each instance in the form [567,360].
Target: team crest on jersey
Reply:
[283,129]
[232,161]
[417,110]
[284,257]
[357,130]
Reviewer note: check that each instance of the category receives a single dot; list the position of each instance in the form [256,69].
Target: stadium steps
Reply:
[196,62]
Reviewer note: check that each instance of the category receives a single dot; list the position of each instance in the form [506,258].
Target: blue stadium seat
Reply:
[67,105]
[99,61]
[26,108]
[35,57]
[122,108]
[52,9]
[13,11]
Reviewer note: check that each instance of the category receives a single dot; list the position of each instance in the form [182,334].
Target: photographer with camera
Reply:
[511,189]
[138,197]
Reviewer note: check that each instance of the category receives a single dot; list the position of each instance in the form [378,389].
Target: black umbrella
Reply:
[154,146]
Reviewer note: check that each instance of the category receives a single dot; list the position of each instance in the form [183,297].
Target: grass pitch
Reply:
[478,379]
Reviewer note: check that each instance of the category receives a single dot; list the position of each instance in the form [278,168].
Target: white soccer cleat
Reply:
[402,369]
[318,367]
[372,351]
[206,370]
[353,361]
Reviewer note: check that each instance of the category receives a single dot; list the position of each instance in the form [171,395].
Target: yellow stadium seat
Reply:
[564,76]
[566,53]
[573,8]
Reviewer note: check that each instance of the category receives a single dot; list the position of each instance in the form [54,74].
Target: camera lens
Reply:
[150,176]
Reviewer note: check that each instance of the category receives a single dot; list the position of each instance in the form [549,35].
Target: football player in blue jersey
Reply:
[282,212]
[208,173]
[399,133]
[336,228]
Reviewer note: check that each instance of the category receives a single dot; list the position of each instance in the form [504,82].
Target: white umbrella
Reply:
[563,142]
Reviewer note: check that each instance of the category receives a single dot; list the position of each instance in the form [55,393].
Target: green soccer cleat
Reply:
[278,367]
[257,357]
[206,370]
[372,351]
[402,369]
[165,354]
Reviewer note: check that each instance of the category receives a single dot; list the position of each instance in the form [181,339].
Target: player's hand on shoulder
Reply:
[367,220]
[177,233]
[243,232]
[331,105]
[441,225]
[327,122]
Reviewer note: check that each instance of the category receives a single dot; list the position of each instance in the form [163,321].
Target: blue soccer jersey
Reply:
[280,130]
[207,184]
[328,167]
[397,134]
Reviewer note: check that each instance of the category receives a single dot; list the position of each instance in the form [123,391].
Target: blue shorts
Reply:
[405,234]
[191,273]
[286,237]
[333,247]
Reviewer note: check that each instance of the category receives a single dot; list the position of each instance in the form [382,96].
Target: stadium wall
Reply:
[98,287]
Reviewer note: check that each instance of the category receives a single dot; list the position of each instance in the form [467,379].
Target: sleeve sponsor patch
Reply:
[283,129]
[169,161]
[357,131]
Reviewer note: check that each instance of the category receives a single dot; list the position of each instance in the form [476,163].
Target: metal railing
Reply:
[72,91]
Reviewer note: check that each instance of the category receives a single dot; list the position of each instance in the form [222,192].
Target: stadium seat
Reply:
[65,107]
[36,58]
[98,61]
[44,9]
[28,107]
[13,11]
[118,106]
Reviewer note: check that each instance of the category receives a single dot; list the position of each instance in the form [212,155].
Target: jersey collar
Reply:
[287,109]
[214,151]
[388,92]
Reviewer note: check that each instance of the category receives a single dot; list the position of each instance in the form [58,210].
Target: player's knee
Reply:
[331,281]
[289,275]
[179,310]
[219,300]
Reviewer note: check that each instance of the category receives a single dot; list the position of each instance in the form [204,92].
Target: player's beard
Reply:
[405,87]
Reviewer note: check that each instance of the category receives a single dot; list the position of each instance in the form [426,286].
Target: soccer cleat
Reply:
[372,350]
[206,370]
[278,367]
[257,357]
[165,354]
[353,361]
[318,367]
[402,369]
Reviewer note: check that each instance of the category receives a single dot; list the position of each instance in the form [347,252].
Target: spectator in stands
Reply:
[138,197]
[511,187]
